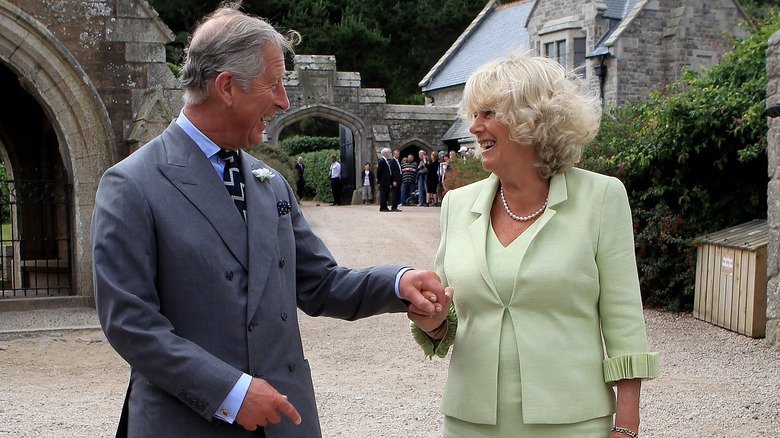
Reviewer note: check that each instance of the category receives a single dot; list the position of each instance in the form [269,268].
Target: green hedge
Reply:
[277,159]
[317,174]
[297,146]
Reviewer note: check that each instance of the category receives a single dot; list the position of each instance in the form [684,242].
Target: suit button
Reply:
[281,263]
[291,367]
[229,275]
[284,316]
[251,326]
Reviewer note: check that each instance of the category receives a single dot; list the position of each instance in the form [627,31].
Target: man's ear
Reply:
[225,87]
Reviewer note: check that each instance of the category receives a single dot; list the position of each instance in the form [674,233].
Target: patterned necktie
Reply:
[234,181]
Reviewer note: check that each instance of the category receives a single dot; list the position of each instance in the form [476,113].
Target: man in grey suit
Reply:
[198,293]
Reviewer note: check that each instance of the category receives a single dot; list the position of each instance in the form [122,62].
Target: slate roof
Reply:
[619,8]
[496,31]
[620,13]
[459,131]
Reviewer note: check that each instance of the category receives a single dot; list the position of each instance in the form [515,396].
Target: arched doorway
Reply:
[355,149]
[75,143]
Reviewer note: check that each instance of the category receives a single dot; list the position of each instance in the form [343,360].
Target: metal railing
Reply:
[35,243]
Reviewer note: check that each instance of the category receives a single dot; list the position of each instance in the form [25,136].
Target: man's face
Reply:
[410,158]
[396,154]
[300,159]
[260,102]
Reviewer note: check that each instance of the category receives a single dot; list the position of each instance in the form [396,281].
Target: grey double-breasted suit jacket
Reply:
[191,296]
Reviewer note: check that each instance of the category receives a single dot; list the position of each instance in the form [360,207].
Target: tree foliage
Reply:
[392,43]
[692,157]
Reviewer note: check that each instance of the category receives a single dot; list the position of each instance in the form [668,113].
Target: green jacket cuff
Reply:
[437,347]
[631,366]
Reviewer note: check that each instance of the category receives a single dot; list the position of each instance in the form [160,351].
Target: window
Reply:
[579,56]
[570,56]
[557,51]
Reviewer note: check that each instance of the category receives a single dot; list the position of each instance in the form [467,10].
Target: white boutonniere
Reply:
[262,173]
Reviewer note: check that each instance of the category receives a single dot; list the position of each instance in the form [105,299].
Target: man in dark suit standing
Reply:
[201,256]
[384,177]
[300,182]
[395,169]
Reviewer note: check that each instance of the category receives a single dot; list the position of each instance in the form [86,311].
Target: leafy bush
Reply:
[462,173]
[692,159]
[296,146]
[317,174]
[277,159]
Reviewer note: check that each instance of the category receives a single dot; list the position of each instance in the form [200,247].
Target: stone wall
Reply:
[652,44]
[120,44]
[773,193]
[667,36]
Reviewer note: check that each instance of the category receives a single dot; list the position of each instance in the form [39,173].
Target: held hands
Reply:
[262,405]
[431,323]
[430,301]
[422,289]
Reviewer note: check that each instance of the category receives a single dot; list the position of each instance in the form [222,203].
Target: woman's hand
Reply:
[427,322]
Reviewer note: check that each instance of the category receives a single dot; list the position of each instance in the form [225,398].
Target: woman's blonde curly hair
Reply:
[541,104]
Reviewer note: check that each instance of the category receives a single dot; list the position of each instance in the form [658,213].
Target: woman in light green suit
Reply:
[541,259]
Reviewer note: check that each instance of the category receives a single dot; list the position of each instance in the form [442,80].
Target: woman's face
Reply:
[500,154]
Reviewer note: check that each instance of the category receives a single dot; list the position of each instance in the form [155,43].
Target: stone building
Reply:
[87,83]
[773,192]
[623,49]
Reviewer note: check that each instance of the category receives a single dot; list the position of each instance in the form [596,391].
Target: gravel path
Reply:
[371,379]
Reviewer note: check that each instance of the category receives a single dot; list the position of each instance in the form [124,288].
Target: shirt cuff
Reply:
[229,408]
[398,280]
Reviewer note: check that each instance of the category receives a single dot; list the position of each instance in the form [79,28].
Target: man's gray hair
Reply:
[229,40]
[384,151]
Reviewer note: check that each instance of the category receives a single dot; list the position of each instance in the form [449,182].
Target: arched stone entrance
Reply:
[51,75]
[316,89]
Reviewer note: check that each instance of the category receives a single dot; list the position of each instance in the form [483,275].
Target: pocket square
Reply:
[283,207]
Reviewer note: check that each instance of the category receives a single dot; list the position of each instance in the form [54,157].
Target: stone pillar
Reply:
[773,194]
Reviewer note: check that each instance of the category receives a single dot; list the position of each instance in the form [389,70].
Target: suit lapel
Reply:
[479,229]
[262,224]
[188,169]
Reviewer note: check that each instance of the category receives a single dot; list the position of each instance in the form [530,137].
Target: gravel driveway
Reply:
[371,379]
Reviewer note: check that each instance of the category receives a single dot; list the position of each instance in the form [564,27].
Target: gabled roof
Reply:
[621,14]
[496,31]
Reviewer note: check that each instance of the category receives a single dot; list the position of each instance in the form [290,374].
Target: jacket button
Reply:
[284,316]
[229,275]
[291,367]
[281,263]
[251,326]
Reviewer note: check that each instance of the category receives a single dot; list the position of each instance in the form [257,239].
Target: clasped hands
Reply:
[429,305]
[429,300]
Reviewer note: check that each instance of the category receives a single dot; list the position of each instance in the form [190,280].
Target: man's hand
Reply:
[430,323]
[262,405]
[423,290]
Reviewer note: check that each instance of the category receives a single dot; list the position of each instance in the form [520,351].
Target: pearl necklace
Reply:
[521,218]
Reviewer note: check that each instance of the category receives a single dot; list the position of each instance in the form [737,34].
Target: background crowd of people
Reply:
[408,181]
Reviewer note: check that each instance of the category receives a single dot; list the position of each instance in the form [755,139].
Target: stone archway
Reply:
[362,149]
[50,73]
[316,89]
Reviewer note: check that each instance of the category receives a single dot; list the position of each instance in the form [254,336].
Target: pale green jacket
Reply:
[576,282]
